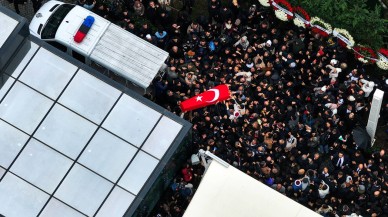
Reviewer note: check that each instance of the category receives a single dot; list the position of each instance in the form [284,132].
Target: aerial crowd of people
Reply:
[296,98]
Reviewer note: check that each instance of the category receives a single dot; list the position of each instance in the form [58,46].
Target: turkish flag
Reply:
[209,97]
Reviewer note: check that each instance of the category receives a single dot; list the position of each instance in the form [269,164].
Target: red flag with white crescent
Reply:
[209,97]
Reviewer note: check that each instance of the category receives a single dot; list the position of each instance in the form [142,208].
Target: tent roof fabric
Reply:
[228,192]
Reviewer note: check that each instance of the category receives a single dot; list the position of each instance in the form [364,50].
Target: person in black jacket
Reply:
[340,160]
[152,12]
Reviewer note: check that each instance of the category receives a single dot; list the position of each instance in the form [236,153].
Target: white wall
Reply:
[374,113]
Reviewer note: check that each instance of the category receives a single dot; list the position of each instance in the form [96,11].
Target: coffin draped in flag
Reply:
[209,97]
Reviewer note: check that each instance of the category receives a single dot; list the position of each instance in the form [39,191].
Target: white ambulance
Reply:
[105,44]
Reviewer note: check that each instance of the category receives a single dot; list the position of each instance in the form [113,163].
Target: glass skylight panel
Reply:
[138,172]
[65,131]
[131,120]
[12,141]
[48,73]
[58,209]
[162,137]
[72,144]
[83,190]
[107,155]
[116,204]
[41,166]
[18,198]
[24,107]
[89,97]
[5,83]
[26,52]
[8,25]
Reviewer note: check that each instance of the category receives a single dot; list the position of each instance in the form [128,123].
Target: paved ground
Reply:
[382,137]
[25,9]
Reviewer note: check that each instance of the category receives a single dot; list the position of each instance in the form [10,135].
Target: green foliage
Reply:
[365,25]
[139,21]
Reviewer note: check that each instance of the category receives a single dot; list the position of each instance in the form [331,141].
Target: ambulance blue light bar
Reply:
[84,29]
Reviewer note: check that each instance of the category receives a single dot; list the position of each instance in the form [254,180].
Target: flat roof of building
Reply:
[74,143]
[7,25]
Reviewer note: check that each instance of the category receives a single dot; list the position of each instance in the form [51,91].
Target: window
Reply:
[78,56]
[55,6]
[55,20]
[58,45]
[97,66]
[40,28]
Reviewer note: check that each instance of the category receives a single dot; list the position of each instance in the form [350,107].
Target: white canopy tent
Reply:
[228,192]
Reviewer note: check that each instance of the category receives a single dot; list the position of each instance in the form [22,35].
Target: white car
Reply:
[105,44]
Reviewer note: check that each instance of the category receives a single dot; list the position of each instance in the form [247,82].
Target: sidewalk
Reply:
[26,9]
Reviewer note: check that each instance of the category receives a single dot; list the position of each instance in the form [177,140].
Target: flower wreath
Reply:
[301,17]
[320,27]
[382,63]
[283,9]
[365,54]
[265,3]
[344,37]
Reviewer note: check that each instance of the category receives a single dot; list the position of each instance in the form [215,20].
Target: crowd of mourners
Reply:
[296,98]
